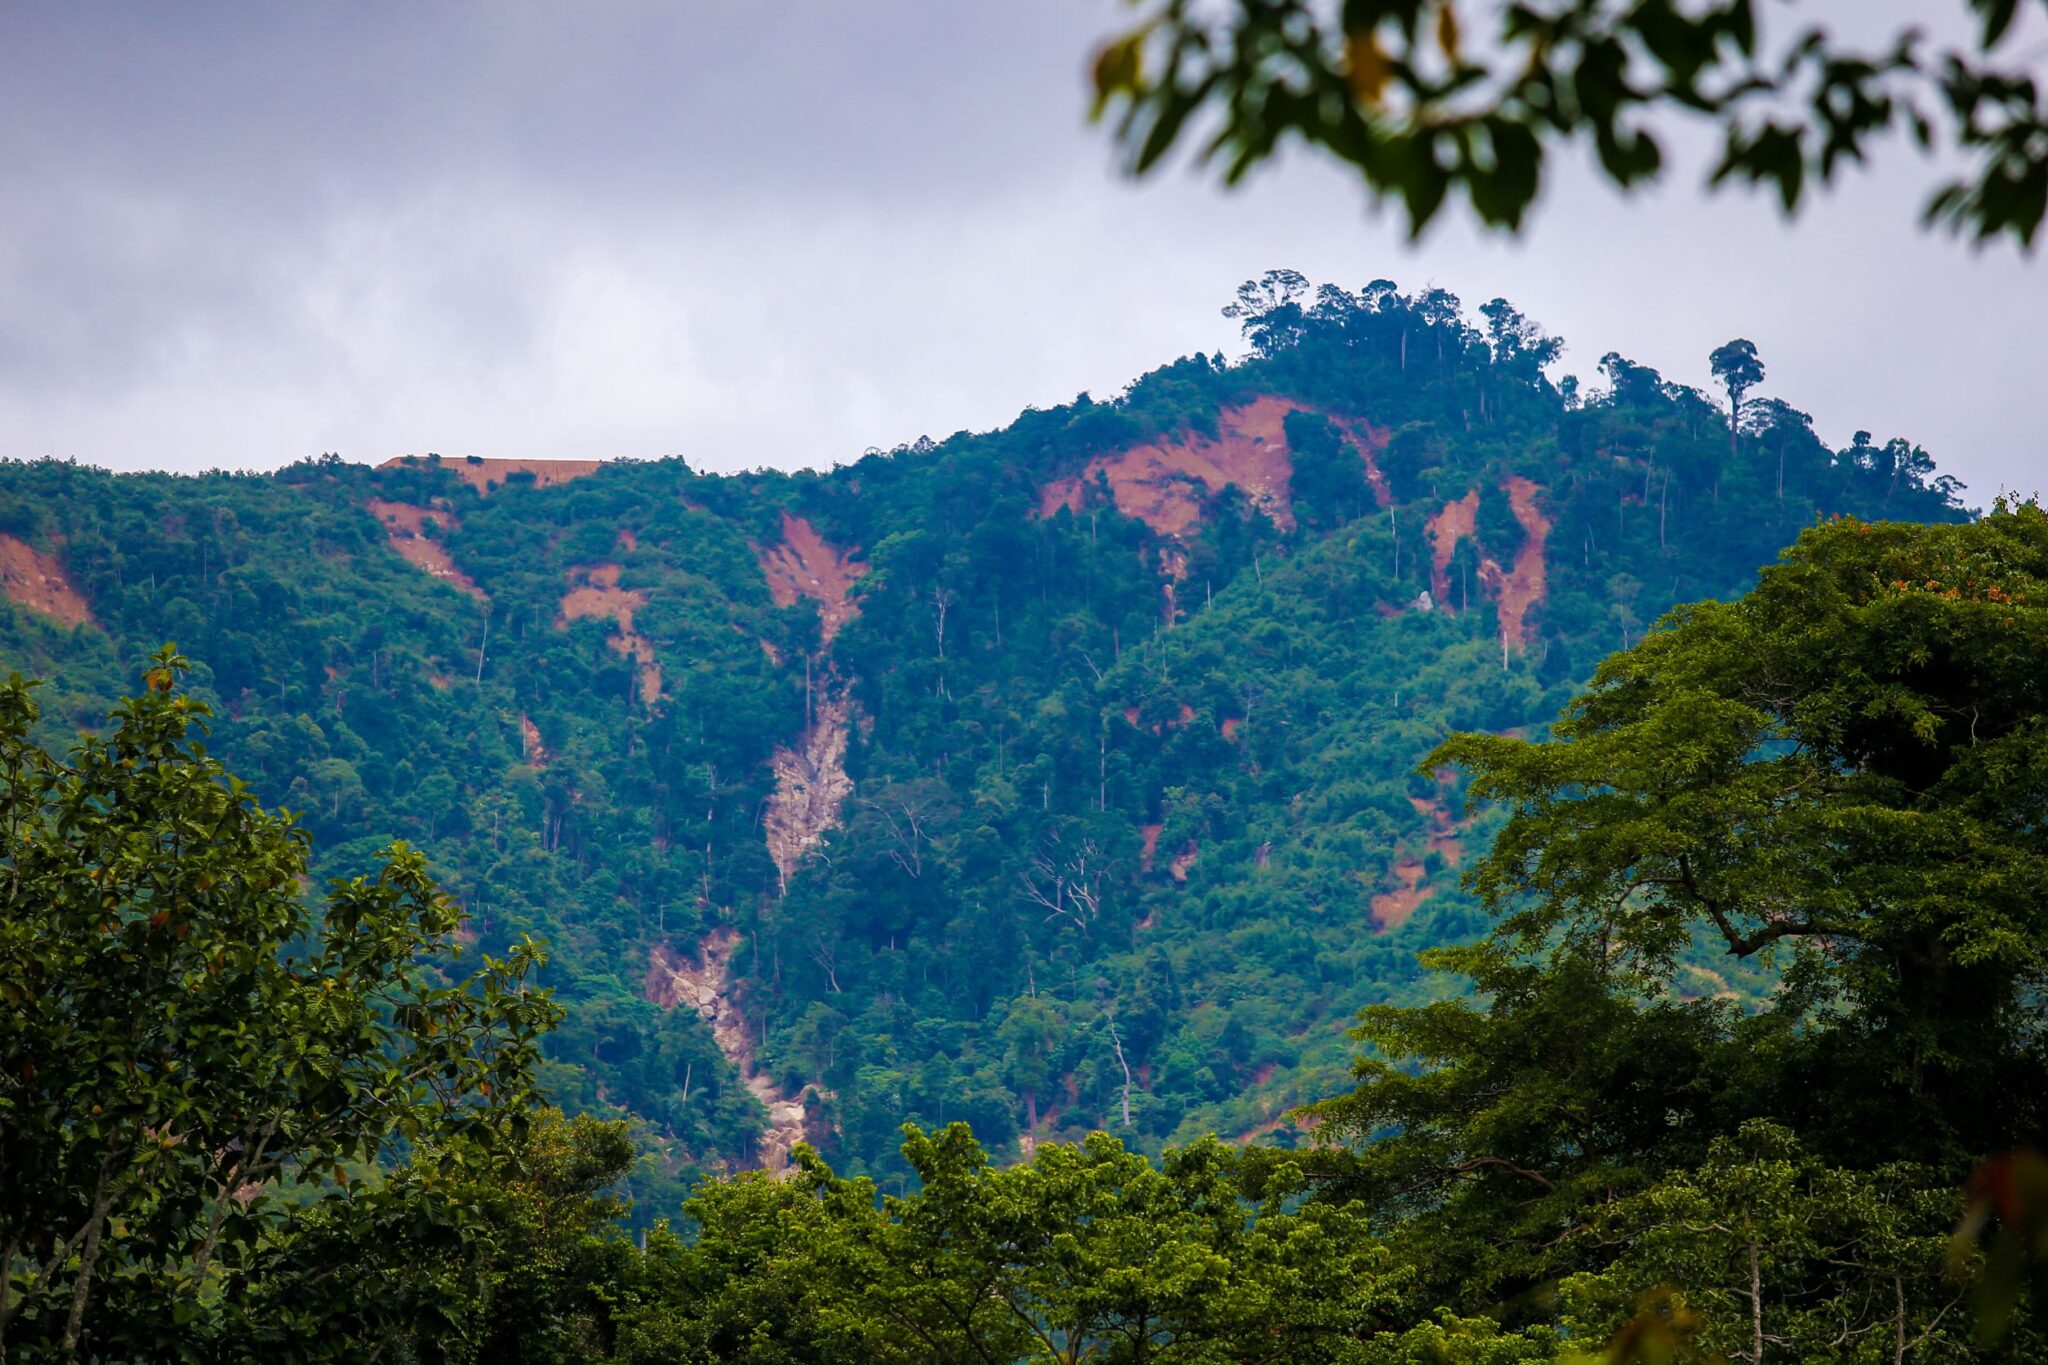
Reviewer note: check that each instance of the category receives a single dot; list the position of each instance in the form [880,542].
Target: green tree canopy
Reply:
[189,1060]
[1847,766]
[1828,794]
[1426,97]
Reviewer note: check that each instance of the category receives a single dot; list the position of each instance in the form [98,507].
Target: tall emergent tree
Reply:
[192,1064]
[1737,366]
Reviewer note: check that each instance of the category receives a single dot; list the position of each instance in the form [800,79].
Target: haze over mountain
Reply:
[1053,778]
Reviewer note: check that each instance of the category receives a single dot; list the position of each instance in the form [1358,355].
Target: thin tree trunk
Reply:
[1899,1322]
[82,1291]
[1756,1307]
[7,1254]
[1118,1044]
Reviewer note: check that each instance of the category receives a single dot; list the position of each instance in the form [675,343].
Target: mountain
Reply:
[1057,777]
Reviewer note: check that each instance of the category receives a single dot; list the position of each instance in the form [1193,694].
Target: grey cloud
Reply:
[780,232]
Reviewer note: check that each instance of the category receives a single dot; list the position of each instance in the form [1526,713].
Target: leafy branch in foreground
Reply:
[1424,97]
[185,1053]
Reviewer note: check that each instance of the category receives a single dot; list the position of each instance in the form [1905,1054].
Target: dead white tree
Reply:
[1109,1018]
[1065,880]
[826,956]
[942,602]
[906,822]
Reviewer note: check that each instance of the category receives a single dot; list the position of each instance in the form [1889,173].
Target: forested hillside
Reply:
[1054,778]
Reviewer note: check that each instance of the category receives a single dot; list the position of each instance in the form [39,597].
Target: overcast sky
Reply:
[780,231]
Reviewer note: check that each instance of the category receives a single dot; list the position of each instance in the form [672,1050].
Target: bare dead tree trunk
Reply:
[942,600]
[1118,1044]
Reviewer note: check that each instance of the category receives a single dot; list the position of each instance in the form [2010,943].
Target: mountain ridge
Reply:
[1032,776]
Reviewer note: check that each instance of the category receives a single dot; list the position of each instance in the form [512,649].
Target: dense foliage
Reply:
[192,1067]
[1725,1045]
[1136,822]
[1424,98]
[1585,1163]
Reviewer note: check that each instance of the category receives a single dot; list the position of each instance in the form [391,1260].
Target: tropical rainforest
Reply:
[1376,850]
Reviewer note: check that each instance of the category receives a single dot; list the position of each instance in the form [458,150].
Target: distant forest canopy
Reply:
[1049,779]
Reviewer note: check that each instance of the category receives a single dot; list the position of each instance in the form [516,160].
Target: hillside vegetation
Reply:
[1063,777]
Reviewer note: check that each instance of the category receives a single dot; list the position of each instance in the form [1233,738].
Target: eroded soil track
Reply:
[705,986]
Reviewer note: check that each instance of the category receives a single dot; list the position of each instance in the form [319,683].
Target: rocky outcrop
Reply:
[811,785]
[705,986]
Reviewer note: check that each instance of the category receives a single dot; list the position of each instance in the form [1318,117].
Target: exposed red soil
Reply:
[804,565]
[406,525]
[1182,861]
[1457,521]
[31,579]
[811,784]
[1069,493]
[1187,713]
[627,540]
[1516,592]
[1391,909]
[1151,846]
[1443,831]
[1162,484]
[1230,726]
[594,594]
[1521,591]
[485,474]
[529,738]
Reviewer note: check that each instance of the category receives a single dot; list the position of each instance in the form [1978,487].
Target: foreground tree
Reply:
[1088,1253]
[1847,768]
[1833,791]
[190,1062]
[1424,97]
